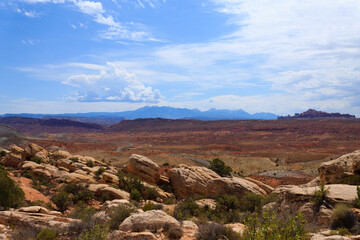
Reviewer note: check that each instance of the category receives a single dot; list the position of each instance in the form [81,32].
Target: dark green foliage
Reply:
[83,212]
[2,153]
[99,172]
[352,180]
[172,232]
[10,194]
[342,217]
[62,201]
[74,159]
[214,231]
[134,185]
[38,181]
[151,206]
[79,192]
[227,203]
[357,199]
[320,197]
[135,195]
[119,214]
[90,163]
[275,227]
[46,234]
[24,231]
[251,202]
[99,232]
[36,159]
[187,209]
[220,168]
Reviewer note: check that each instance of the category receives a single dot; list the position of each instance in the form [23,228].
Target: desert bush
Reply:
[79,192]
[24,231]
[251,202]
[90,163]
[151,206]
[38,181]
[214,231]
[62,201]
[36,159]
[46,234]
[340,231]
[74,159]
[186,209]
[10,194]
[2,153]
[172,232]
[98,232]
[220,167]
[82,211]
[227,203]
[357,199]
[119,214]
[135,195]
[352,180]
[273,226]
[100,171]
[320,197]
[149,193]
[342,217]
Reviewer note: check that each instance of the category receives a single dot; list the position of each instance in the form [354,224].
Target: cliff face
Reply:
[311,113]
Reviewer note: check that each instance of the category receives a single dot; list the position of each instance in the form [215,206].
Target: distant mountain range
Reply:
[108,118]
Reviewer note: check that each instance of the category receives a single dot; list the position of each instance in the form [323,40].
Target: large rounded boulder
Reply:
[144,168]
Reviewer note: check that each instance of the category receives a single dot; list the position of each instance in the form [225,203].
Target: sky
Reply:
[283,56]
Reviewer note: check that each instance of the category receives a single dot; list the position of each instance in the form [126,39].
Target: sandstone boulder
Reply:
[17,150]
[112,193]
[79,178]
[60,154]
[147,220]
[233,186]
[13,160]
[110,178]
[336,170]
[190,180]
[206,203]
[113,203]
[121,235]
[144,168]
[236,227]
[190,230]
[268,189]
[34,150]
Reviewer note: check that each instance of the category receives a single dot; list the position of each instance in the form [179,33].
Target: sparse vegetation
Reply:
[79,192]
[100,171]
[98,232]
[251,202]
[62,201]
[186,209]
[172,232]
[357,199]
[90,163]
[2,153]
[220,168]
[36,160]
[10,194]
[342,217]
[135,195]
[320,197]
[74,159]
[46,234]
[215,231]
[119,214]
[352,180]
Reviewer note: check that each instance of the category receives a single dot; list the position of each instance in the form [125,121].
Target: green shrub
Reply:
[186,210]
[352,180]
[151,206]
[2,153]
[36,159]
[119,214]
[251,202]
[357,199]
[79,192]
[74,159]
[214,231]
[82,212]
[149,193]
[135,195]
[100,171]
[227,203]
[273,226]
[62,201]
[99,232]
[340,231]
[10,194]
[46,234]
[24,231]
[172,232]
[320,197]
[342,217]
[220,167]
[90,163]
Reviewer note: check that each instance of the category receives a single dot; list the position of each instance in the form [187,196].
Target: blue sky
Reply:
[281,56]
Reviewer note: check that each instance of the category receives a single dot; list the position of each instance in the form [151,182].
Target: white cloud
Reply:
[27,13]
[110,83]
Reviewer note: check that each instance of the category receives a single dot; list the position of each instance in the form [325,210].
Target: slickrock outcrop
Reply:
[268,189]
[113,203]
[190,180]
[337,170]
[13,160]
[39,219]
[110,178]
[121,235]
[60,154]
[189,230]
[144,168]
[147,221]
[112,193]
[292,198]
[34,150]
[233,186]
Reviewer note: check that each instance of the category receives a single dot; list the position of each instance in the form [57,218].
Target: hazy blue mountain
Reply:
[160,112]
